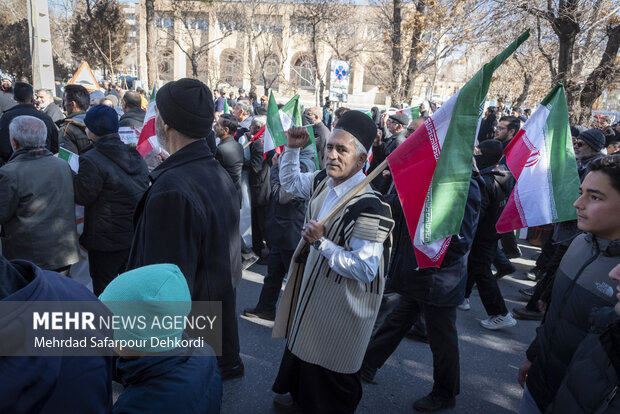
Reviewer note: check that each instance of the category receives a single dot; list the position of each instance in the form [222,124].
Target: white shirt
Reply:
[362,261]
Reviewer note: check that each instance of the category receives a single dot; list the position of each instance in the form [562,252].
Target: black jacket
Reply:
[498,184]
[444,286]
[582,301]
[229,153]
[379,154]
[110,182]
[259,174]
[190,217]
[51,143]
[73,134]
[134,118]
[592,383]
[321,134]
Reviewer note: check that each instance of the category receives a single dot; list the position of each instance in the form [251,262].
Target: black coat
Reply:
[498,184]
[110,182]
[259,174]
[444,286]
[134,118]
[379,154]
[321,134]
[229,153]
[51,142]
[190,217]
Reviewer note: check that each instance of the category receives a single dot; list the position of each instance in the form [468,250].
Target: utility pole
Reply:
[40,45]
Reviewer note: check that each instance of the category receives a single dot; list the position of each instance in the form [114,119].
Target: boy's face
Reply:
[597,207]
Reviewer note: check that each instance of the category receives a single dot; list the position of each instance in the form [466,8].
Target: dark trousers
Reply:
[230,333]
[277,266]
[509,243]
[479,272]
[442,338]
[259,217]
[105,266]
[501,262]
[544,286]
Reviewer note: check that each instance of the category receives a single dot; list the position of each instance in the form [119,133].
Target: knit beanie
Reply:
[594,138]
[154,292]
[491,152]
[101,120]
[187,106]
[360,125]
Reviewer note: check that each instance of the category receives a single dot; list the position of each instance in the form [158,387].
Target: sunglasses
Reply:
[578,144]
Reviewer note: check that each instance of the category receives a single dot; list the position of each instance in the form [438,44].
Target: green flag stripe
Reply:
[450,184]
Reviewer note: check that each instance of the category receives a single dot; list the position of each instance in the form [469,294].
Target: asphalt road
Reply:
[489,359]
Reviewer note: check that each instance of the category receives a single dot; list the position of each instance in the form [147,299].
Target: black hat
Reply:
[360,125]
[400,118]
[101,120]
[187,106]
[491,152]
[575,130]
[594,138]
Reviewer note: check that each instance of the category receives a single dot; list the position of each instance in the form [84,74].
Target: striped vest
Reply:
[328,318]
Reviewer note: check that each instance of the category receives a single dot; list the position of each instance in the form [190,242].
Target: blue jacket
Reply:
[171,383]
[49,384]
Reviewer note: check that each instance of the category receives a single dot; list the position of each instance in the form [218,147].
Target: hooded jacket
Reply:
[174,382]
[111,180]
[37,210]
[133,118]
[50,384]
[73,134]
[582,302]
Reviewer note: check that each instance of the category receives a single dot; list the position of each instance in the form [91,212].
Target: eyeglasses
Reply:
[578,144]
[500,128]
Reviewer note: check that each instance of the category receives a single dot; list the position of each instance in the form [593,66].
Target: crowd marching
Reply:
[163,224]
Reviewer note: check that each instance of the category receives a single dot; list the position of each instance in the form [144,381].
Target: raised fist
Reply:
[297,137]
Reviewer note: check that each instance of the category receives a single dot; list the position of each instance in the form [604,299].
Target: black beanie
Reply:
[575,130]
[492,151]
[360,125]
[594,138]
[187,106]
[101,120]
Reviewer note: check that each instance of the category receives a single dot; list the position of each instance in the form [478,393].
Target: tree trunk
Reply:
[601,77]
[527,79]
[412,69]
[194,62]
[315,63]
[396,54]
[151,63]
[251,63]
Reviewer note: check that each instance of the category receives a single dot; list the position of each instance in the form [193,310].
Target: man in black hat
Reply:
[190,214]
[335,285]
[588,146]
[395,124]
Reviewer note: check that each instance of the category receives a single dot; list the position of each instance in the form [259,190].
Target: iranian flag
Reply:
[412,112]
[542,160]
[432,168]
[147,141]
[280,120]
[71,158]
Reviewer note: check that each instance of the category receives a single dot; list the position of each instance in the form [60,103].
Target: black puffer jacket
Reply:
[498,184]
[110,182]
[444,286]
[229,153]
[592,384]
[582,302]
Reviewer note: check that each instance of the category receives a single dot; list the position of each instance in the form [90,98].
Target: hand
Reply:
[248,135]
[297,137]
[377,141]
[275,160]
[523,371]
[383,118]
[312,231]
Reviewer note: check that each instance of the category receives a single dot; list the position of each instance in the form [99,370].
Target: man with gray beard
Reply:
[190,214]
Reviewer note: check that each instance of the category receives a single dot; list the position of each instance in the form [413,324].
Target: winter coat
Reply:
[190,217]
[6,102]
[443,286]
[133,118]
[498,184]
[48,384]
[37,211]
[54,112]
[583,297]
[179,381]
[328,117]
[592,383]
[111,180]
[73,134]
[379,154]
[51,142]
[321,134]
[229,153]
[259,174]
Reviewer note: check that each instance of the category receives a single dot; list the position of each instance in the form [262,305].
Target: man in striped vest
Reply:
[335,286]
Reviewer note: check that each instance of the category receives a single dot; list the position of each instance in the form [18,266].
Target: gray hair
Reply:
[259,121]
[245,106]
[359,147]
[28,131]
[316,111]
[48,92]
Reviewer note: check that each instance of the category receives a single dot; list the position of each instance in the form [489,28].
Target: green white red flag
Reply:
[412,112]
[432,168]
[72,159]
[226,108]
[147,141]
[542,160]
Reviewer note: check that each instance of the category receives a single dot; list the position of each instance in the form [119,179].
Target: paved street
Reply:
[489,360]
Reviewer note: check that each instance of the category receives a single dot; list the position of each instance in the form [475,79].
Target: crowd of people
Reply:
[166,227]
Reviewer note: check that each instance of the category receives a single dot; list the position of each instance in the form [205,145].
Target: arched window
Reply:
[303,72]
[231,67]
